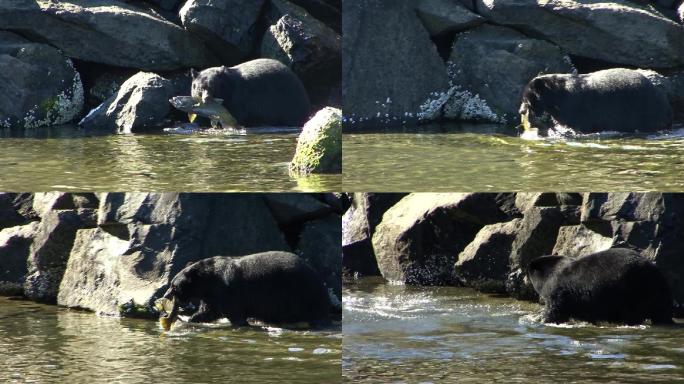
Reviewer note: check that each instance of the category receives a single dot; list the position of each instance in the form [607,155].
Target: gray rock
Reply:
[50,249]
[445,16]
[680,12]
[619,31]
[38,85]
[420,236]
[141,104]
[390,74]
[288,208]
[484,263]
[15,244]
[526,200]
[320,244]
[358,225]
[110,33]
[329,12]
[536,236]
[478,56]
[579,240]
[44,202]
[306,45]
[630,206]
[16,209]
[228,27]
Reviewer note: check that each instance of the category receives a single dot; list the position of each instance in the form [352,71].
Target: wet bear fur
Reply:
[275,287]
[619,100]
[261,92]
[616,285]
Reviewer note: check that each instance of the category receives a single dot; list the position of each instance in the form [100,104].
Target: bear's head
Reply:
[542,269]
[540,102]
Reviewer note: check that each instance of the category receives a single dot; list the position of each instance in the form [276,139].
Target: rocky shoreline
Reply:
[115,253]
[120,61]
[469,60]
[487,240]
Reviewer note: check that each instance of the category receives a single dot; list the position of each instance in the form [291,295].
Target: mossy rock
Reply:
[319,147]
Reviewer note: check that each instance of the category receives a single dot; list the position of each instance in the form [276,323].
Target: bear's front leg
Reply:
[204,314]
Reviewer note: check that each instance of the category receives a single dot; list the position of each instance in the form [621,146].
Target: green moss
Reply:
[49,105]
[319,148]
[132,309]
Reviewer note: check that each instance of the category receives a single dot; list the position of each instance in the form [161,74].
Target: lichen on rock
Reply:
[319,147]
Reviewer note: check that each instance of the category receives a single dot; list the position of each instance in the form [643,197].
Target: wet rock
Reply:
[15,243]
[443,16]
[107,32]
[306,45]
[320,244]
[579,240]
[38,85]
[288,208]
[420,236]
[477,57]
[620,31]
[319,146]
[140,105]
[228,27]
[50,249]
[484,263]
[358,225]
[390,74]
[16,209]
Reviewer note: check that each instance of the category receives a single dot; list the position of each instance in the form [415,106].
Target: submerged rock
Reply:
[39,86]
[107,32]
[319,147]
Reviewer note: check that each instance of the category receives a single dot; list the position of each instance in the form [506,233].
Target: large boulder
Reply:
[15,244]
[320,244]
[38,84]
[16,209]
[478,56]
[319,146]
[580,240]
[306,45]
[420,237]
[484,263]
[107,32]
[389,74]
[327,11]
[618,31]
[141,104]
[358,225]
[229,27]
[50,249]
[144,239]
[445,16]
[292,208]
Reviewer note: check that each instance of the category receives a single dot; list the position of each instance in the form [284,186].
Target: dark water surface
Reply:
[401,334]
[68,159]
[477,158]
[41,343]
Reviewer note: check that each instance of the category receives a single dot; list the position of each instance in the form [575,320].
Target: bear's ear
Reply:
[193,73]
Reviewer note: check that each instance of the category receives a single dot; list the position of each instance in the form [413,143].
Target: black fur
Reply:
[621,100]
[261,92]
[275,287]
[616,285]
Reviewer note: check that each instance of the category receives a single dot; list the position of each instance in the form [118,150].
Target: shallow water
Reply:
[400,334]
[41,343]
[69,159]
[489,158]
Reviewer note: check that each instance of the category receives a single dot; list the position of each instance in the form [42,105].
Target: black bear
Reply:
[619,100]
[616,285]
[262,92]
[275,287]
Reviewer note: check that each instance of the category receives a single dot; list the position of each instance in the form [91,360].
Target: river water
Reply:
[68,159]
[43,343]
[403,334]
[478,158]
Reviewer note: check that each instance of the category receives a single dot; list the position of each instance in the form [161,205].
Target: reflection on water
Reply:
[67,158]
[40,343]
[490,158]
[395,333]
